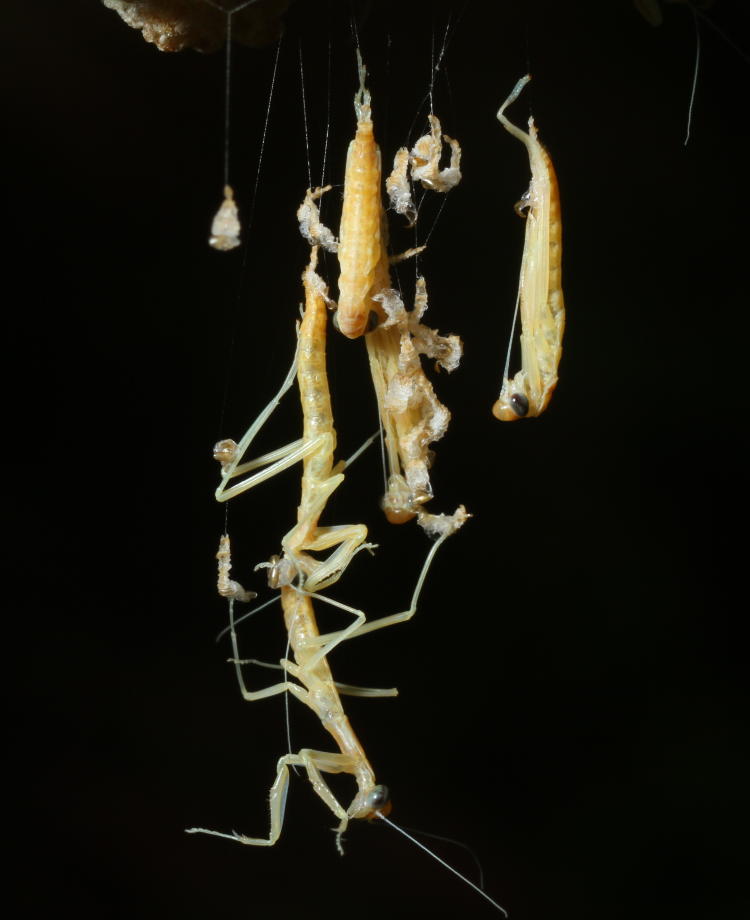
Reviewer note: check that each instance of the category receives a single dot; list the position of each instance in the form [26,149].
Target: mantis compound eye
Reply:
[225,451]
[281,571]
[379,799]
[520,404]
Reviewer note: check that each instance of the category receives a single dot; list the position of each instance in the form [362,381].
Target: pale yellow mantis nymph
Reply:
[310,667]
[363,231]
[299,576]
[540,296]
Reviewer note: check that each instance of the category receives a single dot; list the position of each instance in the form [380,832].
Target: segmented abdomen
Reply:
[361,246]
[312,377]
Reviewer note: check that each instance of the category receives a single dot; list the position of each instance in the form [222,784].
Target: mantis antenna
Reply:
[442,862]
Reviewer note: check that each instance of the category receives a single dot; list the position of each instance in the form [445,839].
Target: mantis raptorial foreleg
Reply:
[442,525]
[350,540]
[280,459]
[314,762]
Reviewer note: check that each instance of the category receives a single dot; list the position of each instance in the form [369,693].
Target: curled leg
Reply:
[349,540]
[268,465]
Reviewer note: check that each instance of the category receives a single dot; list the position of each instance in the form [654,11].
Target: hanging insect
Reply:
[540,296]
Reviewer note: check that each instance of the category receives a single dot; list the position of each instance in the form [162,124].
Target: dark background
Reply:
[572,688]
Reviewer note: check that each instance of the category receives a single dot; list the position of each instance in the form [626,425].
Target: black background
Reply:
[572,687]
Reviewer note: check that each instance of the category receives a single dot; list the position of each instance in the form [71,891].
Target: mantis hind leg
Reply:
[327,642]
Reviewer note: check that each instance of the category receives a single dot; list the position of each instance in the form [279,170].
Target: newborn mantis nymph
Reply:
[316,687]
[540,295]
[363,231]
[310,665]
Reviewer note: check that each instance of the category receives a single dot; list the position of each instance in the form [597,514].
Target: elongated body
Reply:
[321,695]
[319,478]
[299,575]
[540,293]
[362,252]
[315,399]
[315,449]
